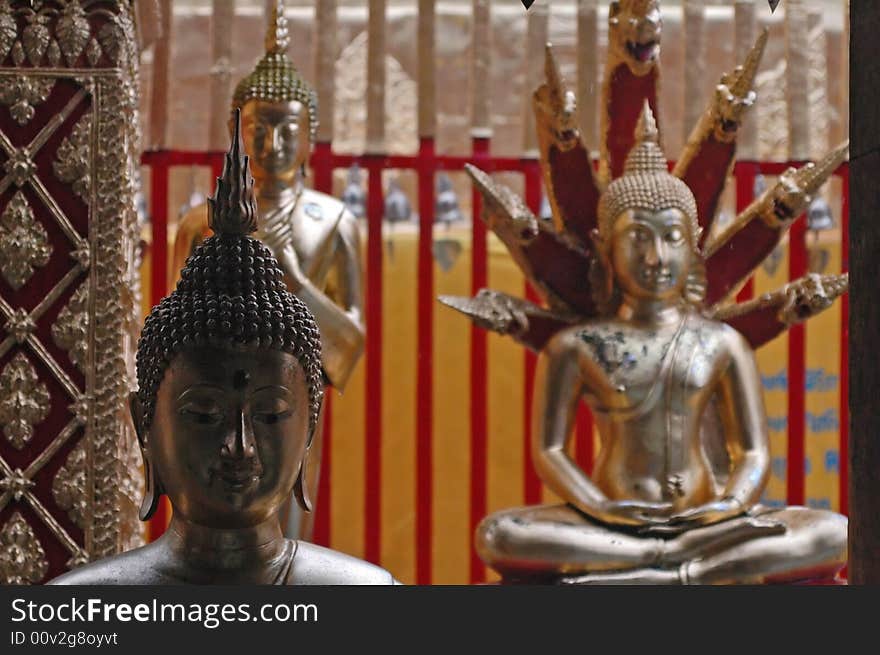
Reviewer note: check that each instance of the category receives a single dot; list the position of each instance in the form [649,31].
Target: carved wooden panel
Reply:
[69,468]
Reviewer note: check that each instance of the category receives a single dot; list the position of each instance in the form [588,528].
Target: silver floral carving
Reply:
[114,249]
[22,558]
[93,52]
[18,53]
[71,329]
[20,325]
[72,30]
[98,161]
[69,485]
[24,401]
[72,35]
[17,483]
[80,409]
[53,53]
[36,37]
[20,167]
[23,93]
[71,164]
[24,243]
[131,490]
[8,30]
[82,256]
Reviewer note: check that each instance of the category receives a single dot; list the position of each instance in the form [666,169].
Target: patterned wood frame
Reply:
[70,477]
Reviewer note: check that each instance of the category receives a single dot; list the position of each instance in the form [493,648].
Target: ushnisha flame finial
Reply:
[646,129]
[646,182]
[233,210]
[647,155]
[277,37]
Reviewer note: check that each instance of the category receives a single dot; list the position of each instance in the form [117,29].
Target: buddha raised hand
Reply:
[229,395]
[652,365]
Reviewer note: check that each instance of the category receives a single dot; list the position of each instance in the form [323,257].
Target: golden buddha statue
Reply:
[639,320]
[229,397]
[314,237]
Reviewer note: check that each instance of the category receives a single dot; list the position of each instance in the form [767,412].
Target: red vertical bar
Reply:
[322,165]
[531,481]
[843,454]
[797,267]
[159,287]
[373,481]
[583,437]
[585,454]
[479,395]
[745,190]
[425,365]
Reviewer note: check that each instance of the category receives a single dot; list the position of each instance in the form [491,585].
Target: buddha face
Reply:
[276,138]
[635,27]
[228,434]
[651,253]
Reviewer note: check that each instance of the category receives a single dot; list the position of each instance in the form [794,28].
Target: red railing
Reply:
[425,164]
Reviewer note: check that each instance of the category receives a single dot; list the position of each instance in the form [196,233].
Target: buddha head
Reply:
[634,28]
[647,236]
[279,110]
[229,374]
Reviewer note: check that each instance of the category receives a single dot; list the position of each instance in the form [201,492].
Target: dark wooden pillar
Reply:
[864,371]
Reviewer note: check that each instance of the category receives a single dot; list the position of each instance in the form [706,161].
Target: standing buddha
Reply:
[314,237]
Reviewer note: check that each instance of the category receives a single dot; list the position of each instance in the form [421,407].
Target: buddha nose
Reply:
[275,139]
[654,251]
[240,443]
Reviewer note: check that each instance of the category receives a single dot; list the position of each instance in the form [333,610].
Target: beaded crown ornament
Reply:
[646,182]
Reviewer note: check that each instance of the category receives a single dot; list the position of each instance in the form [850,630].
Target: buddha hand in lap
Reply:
[229,395]
[654,511]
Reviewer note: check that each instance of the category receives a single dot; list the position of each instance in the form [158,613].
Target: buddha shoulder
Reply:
[140,566]
[315,565]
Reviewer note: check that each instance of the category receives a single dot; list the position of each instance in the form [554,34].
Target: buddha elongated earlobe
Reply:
[152,486]
[300,490]
[152,491]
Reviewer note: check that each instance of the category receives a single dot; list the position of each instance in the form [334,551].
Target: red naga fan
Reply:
[556,258]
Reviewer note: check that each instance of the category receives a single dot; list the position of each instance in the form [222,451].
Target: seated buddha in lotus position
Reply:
[654,510]
[229,395]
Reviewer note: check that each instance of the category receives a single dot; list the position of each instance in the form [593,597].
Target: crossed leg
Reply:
[557,540]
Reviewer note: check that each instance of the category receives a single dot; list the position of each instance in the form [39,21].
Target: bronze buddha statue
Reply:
[315,239]
[229,396]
